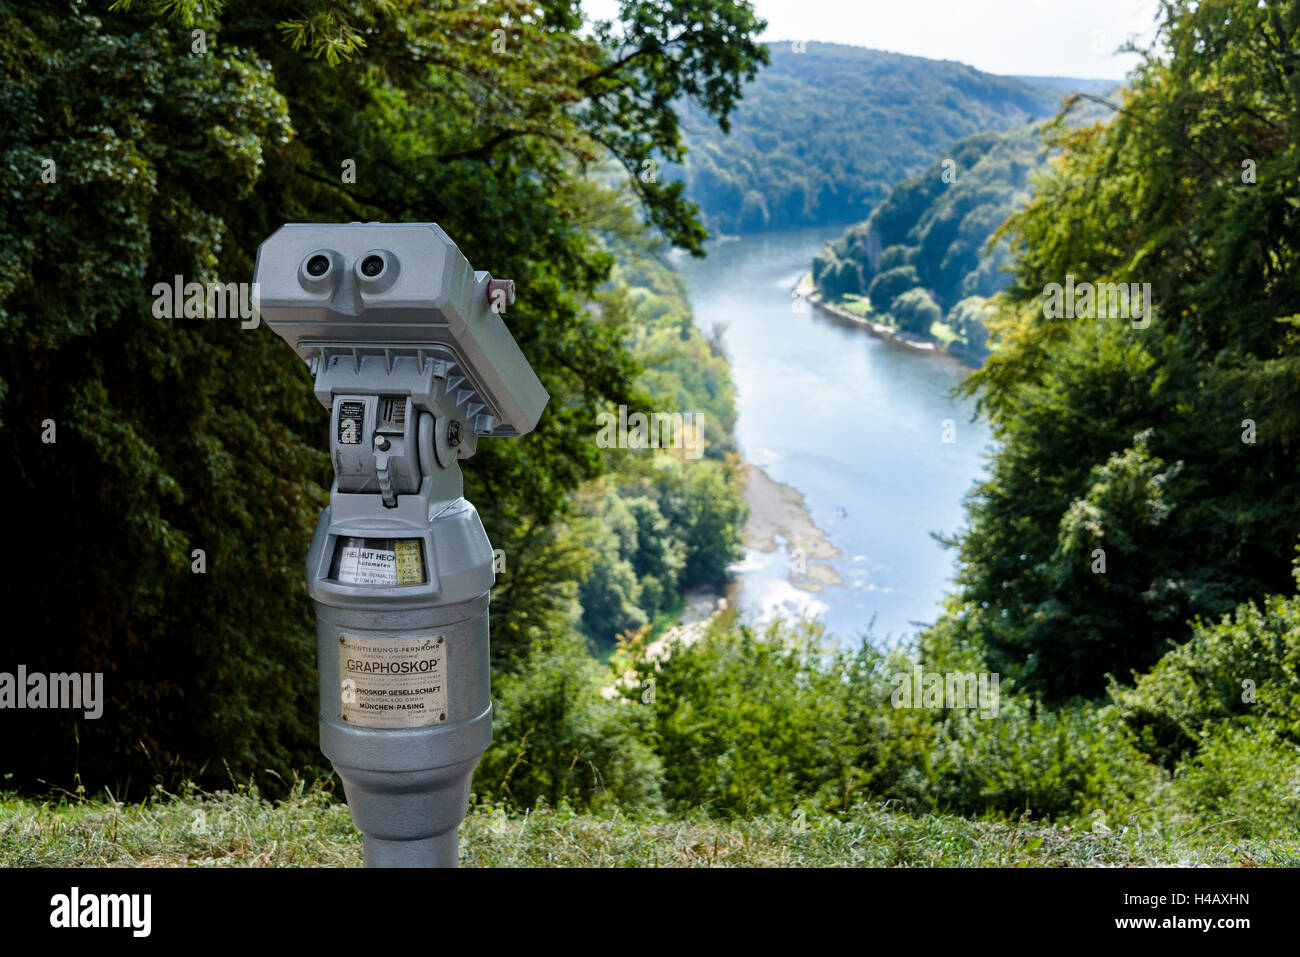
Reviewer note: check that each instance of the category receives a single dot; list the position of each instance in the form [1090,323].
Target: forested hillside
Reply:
[923,261]
[822,135]
[660,523]
[1150,468]
[923,256]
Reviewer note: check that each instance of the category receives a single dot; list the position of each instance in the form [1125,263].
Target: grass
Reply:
[945,333]
[858,305]
[604,653]
[667,618]
[240,828]
[861,306]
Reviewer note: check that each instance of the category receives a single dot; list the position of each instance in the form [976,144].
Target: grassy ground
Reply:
[859,306]
[945,333]
[240,829]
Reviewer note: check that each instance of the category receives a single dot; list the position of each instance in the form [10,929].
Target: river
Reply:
[865,429]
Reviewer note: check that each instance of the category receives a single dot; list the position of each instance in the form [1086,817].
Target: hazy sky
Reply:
[1038,37]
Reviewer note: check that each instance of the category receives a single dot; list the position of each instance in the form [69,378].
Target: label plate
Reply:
[393,682]
[352,417]
[380,562]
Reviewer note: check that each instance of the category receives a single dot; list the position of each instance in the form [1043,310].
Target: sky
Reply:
[1075,38]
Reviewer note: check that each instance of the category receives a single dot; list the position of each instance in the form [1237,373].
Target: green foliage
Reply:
[536,594]
[895,256]
[176,434]
[162,445]
[1031,760]
[1244,781]
[1246,664]
[611,592]
[1200,516]
[747,723]
[969,319]
[889,285]
[704,501]
[658,553]
[1110,563]
[682,370]
[556,738]
[916,311]
[656,535]
[822,135]
[943,217]
[835,276]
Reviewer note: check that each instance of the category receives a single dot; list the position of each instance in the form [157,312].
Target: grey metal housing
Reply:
[427,298]
[408,788]
[411,356]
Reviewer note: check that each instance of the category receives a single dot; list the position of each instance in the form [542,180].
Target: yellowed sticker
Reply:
[410,569]
[393,682]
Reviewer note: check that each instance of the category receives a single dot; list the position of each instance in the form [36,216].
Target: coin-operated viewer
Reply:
[412,358]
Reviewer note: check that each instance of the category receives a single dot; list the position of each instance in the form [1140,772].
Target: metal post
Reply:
[411,357]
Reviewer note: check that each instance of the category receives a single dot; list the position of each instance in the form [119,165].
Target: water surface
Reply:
[855,423]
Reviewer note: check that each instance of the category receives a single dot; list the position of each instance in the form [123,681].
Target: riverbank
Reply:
[853,426]
[779,517]
[804,289]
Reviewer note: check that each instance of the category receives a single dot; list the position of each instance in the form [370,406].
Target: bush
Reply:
[916,311]
[1245,780]
[888,285]
[556,738]
[752,723]
[748,723]
[1205,680]
[1061,764]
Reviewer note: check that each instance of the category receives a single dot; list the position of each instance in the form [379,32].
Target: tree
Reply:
[891,284]
[1161,197]
[658,551]
[564,741]
[702,502]
[969,318]
[916,311]
[192,433]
